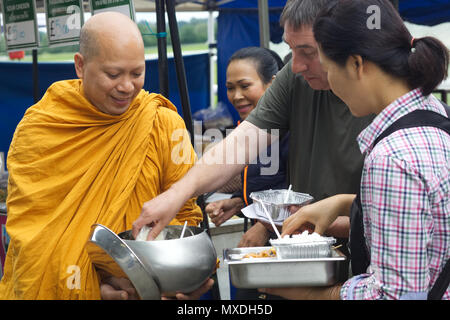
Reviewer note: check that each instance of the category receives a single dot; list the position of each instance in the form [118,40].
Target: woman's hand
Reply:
[221,211]
[319,216]
[306,293]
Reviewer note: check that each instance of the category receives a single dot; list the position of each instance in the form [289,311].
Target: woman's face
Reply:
[244,86]
[346,84]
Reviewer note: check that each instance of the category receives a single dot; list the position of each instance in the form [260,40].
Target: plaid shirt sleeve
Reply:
[397,224]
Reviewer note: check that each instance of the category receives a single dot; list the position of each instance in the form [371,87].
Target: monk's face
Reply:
[114,76]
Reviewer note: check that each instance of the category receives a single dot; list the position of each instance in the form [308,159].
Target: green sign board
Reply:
[20,24]
[124,6]
[64,21]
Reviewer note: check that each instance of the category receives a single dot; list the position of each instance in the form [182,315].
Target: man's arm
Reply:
[214,169]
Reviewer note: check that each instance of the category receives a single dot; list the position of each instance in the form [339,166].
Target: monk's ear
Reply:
[79,64]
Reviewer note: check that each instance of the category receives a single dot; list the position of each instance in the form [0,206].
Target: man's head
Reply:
[297,19]
[111,61]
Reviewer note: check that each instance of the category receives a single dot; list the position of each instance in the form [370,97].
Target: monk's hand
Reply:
[194,295]
[157,213]
[222,210]
[113,288]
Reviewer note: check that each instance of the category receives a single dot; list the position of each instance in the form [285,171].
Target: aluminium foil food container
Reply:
[274,202]
[273,272]
[314,249]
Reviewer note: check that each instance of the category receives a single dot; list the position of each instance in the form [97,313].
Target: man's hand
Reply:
[221,211]
[112,288]
[158,212]
[256,236]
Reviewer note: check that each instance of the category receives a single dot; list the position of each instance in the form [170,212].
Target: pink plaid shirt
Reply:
[406,204]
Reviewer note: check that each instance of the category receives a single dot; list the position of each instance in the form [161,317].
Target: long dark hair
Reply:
[267,61]
[343,29]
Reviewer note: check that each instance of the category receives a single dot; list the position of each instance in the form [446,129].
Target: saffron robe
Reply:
[71,166]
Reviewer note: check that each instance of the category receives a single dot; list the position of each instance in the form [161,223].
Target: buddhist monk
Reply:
[92,150]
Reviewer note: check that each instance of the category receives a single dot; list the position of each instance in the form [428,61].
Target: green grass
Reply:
[68,56]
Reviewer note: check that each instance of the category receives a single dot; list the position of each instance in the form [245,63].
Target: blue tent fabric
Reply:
[16,87]
[425,12]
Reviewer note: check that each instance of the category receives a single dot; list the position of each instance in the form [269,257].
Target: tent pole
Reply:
[35,76]
[179,64]
[211,46]
[264,32]
[163,72]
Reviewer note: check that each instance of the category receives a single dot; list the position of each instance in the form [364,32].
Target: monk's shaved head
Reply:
[111,62]
[105,26]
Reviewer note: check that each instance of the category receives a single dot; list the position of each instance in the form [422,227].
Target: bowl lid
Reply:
[108,252]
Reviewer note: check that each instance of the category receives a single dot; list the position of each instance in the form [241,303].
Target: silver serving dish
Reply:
[275,204]
[155,267]
[279,273]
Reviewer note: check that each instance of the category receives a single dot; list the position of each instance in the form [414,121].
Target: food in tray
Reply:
[276,272]
[269,253]
[304,237]
[303,245]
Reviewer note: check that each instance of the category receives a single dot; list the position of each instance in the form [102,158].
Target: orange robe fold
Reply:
[71,166]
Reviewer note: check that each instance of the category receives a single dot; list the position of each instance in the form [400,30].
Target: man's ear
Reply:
[79,64]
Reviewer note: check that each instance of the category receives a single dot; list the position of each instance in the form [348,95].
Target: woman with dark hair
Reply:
[250,72]
[400,221]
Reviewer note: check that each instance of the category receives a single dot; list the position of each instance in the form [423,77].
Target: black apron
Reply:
[359,253]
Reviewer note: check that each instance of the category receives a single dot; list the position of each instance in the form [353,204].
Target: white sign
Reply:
[20,24]
[123,6]
[64,21]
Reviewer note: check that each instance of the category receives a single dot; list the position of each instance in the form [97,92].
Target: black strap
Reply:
[441,284]
[360,257]
[417,118]
[359,253]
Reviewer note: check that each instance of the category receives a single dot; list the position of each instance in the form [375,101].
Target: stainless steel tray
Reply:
[279,273]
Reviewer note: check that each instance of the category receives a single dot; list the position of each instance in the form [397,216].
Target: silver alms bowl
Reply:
[170,265]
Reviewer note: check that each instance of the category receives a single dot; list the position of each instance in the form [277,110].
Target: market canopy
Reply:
[424,12]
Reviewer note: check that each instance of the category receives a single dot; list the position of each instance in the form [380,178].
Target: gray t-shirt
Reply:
[324,157]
